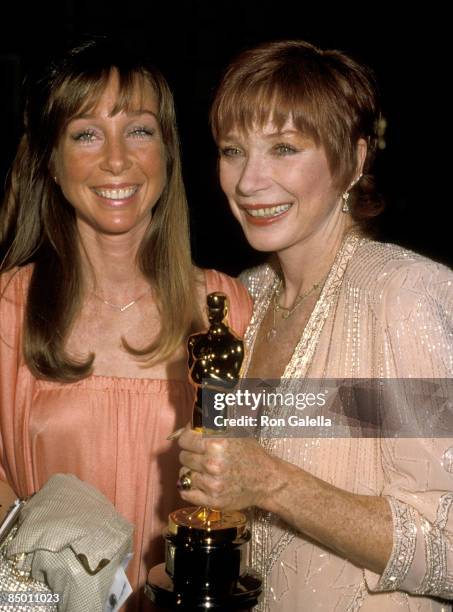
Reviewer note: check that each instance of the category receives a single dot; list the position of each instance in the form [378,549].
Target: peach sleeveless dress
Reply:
[109,432]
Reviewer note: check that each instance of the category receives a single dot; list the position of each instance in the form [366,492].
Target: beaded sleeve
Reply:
[418,343]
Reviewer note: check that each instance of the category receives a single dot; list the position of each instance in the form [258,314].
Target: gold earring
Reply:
[345,196]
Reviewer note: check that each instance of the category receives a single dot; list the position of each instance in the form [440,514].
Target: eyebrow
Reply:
[284,133]
[276,134]
[135,113]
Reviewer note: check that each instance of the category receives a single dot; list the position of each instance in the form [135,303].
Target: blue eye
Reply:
[141,132]
[230,152]
[285,149]
[84,136]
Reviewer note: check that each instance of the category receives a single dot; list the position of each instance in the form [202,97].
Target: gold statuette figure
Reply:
[204,566]
[215,356]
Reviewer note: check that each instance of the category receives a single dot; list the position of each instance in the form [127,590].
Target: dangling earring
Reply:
[345,196]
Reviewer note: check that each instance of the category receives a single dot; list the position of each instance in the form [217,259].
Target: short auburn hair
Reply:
[329,97]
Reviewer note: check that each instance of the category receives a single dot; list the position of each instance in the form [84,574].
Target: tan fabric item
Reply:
[73,538]
[384,312]
[19,593]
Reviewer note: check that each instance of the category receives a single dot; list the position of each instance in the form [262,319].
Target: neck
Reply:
[309,261]
[110,263]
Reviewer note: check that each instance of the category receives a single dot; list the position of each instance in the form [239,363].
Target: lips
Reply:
[264,214]
[116,193]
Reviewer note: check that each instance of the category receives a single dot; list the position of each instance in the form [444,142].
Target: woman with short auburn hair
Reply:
[329,97]
[341,521]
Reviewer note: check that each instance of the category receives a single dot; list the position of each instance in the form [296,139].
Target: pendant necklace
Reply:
[286,312]
[120,307]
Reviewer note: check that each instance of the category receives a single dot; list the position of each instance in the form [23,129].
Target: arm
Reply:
[405,534]
[7,497]
[237,473]
[418,343]
[10,322]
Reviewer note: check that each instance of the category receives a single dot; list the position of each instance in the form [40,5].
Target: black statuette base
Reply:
[160,589]
[204,563]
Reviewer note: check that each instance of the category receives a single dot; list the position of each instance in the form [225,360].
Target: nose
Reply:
[116,158]
[254,176]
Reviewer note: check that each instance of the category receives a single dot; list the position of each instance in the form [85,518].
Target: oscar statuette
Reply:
[204,565]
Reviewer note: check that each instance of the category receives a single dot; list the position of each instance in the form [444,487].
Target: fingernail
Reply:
[175,434]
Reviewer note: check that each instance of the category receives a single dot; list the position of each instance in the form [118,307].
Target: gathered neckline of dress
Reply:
[100,382]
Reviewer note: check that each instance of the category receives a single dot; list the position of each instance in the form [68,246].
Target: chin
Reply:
[114,229]
[121,226]
[267,242]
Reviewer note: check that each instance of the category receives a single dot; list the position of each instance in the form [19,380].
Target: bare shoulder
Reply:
[239,300]
[210,280]
[13,297]
[14,283]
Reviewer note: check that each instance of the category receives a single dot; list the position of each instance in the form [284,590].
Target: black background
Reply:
[192,41]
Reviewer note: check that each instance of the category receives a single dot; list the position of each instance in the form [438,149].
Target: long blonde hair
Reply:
[37,224]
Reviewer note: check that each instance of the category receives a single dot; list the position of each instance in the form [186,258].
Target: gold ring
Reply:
[185,482]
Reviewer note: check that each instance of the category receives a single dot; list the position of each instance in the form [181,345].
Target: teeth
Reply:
[116,194]
[269,211]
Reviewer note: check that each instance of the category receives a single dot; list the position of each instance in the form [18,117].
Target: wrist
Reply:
[272,483]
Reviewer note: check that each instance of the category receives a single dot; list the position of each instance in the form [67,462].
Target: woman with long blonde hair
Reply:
[98,291]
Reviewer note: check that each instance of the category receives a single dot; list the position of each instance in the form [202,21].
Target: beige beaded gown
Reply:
[384,312]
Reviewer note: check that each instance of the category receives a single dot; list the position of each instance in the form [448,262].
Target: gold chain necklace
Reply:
[287,312]
[120,307]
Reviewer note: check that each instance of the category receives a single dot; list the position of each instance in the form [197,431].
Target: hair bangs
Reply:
[254,105]
[79,95]
[132,91]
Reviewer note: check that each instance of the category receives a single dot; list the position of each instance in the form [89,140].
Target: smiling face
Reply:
[279,186]
[112,167]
